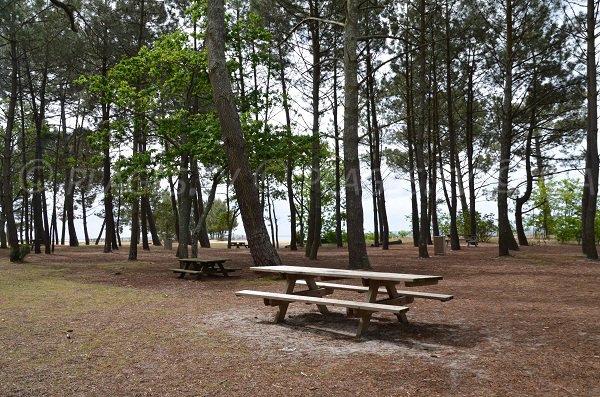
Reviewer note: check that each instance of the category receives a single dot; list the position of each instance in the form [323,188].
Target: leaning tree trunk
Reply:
[263,253]
[357,248]
[520,202]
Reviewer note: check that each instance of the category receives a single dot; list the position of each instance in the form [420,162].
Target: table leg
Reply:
[363,325]
[283,306]
[393,293]
[310,282]
[222,268]
[184,266]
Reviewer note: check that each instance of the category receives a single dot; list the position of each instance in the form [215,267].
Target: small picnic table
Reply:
[373,283]
[203,267]
[239,244]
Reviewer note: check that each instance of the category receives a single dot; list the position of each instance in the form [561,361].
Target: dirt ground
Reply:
[83,323]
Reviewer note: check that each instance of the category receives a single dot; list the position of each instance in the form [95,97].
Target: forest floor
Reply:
[83,323]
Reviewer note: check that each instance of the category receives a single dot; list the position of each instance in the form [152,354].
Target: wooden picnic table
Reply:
[239,244]
[372,283]
[203,267]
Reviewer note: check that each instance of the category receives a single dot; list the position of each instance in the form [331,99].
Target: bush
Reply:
[19,252]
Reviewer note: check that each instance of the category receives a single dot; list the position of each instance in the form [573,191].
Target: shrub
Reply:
[19,252]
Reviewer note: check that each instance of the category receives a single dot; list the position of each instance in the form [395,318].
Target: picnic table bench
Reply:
[203,267]
[373,283]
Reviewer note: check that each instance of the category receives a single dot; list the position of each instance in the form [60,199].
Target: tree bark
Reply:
[290,159]
[420,133]
[7,186]
[339,239]
[263,253]
[313,237]
[470,127]
[357,248]
[410,128]
[590,187]
[454,237]
[520,202]
[185,206]
[69,210]
[505,233]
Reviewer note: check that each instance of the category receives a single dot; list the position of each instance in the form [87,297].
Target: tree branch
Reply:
[69,10]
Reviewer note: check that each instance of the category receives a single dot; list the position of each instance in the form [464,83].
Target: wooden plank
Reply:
[420,283]
[363,306]
[343,273]
[203,260]
[315,292]
[382,290]
[398,300]
[186,271]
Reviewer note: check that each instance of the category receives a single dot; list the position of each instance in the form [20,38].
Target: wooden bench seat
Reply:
[186,271]
[382,290]
[364,310]
[201,273]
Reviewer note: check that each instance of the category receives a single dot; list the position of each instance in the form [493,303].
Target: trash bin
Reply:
[439,245]
[168,244]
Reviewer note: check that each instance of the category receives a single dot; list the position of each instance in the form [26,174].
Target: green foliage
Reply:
[219,219]
[486,225]
[19,252]
[565,201]
[163,214]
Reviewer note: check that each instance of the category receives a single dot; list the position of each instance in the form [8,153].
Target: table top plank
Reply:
[203,260]
[344,273]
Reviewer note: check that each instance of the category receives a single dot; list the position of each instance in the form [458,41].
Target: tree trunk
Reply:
[7,186]
[69,204]
[174,208]
[200,227]
[420,133]
[590,187]
[505,233]
[110,241]
[290,159]
[470,128]
[357,248]
[339,240]
[86,236]
[454,237]
[313,237]
[151,222]
[371,164]
[520,202]
[3,238]
[185,206]
[263,253]
[411,160]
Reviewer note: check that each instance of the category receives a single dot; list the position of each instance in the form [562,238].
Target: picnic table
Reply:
[202,267]
[239,244]
[316,280]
